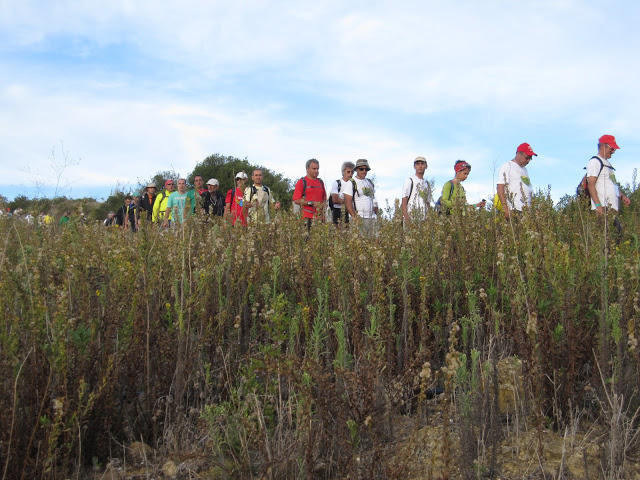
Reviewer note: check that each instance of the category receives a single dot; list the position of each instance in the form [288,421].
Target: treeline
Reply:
[217,166]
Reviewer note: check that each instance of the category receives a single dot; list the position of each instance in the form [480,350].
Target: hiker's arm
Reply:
[626,200]
[591,187]
[348,201]
[503,199]
[336,199]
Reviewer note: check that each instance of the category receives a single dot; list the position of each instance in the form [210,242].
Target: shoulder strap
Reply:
[304,186]
[410,189]
[450,189]
[355,188]
[339,183]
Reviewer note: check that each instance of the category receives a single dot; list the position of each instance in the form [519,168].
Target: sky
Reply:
[96,96]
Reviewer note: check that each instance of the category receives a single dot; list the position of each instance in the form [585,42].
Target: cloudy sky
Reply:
[98,95]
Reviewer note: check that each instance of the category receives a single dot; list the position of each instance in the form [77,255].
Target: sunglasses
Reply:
[528,157]
[361,168]
[169,183]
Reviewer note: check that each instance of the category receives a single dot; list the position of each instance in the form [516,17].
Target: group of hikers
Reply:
[352,199]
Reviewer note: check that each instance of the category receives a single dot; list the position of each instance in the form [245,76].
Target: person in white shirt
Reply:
[360,199]
[601,181]
[513,185]
[416,193]
[336,197]
[258,199]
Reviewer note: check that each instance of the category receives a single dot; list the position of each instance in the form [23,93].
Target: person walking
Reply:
[336,197]
[416,192]
[126,216]
[234,207]
[601,180]
[513,187]
[310,194]
[213,203]
[180,205]
[360,198]
[146,200]
[160,203]
[258,199]
[453,192]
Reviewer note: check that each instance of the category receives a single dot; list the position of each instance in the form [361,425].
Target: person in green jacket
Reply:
[453,191]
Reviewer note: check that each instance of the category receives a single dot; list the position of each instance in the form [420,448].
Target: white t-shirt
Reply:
[364,198]
[417,200]
[606,186]
[334,189]
[517,184]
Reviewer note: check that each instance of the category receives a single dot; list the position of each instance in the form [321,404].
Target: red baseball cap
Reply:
[609,140]
[526,149]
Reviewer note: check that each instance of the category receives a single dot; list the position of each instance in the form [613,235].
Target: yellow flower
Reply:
[167,305]
[98,293]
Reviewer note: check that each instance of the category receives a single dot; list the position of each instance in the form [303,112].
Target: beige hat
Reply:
[241,175]
[151,185]
[361,162]
[420,159]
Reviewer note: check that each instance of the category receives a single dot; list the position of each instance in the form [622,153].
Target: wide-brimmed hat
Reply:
[362,162]
[151,185]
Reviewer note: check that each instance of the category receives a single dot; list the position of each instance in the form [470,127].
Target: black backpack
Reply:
[582,190]
[331,204]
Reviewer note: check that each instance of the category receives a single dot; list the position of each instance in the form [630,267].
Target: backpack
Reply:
[438,206]
[254,191]
[582,190]
[331,204]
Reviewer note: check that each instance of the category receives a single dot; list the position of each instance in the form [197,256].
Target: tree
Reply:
[224,169]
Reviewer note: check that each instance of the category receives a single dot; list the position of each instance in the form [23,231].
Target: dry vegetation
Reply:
[262,353]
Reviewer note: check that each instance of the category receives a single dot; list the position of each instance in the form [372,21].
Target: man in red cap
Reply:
[601,181]
[514,186]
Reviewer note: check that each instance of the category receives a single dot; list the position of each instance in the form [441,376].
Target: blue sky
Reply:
[95,95]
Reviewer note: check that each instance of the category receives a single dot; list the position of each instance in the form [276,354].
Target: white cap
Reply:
[213,181]
[241,175]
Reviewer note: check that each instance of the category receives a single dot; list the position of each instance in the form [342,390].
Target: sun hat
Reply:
[609,140]
[420,159]
[361,162]
[241,175]
[526,149]
[151,185]
[213,181]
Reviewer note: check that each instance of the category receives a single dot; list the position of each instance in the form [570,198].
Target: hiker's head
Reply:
[420,165]
[241,179]
[607,146]
[198,182]
[524,154]
[256,177]
[213,184]
[168,185]
[362,167]
[347,170]
[313,168]
[462,170]
[182,185]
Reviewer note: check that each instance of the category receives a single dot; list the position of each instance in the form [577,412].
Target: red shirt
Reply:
[235,207]
[314,192]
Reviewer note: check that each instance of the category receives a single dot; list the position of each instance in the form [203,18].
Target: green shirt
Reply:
[453,193]
[179,203]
